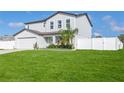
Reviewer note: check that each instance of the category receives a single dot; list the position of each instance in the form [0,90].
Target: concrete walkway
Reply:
[15,50]
[8,51]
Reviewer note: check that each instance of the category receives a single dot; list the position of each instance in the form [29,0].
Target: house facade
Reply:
[45,32]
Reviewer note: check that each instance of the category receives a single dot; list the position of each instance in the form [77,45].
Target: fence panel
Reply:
[112,43]
[97,43]
[84,43]
[7,44]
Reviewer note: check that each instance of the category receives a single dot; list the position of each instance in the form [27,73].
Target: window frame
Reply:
[59,23]
[57,39]
[49,39]
[51,25]
[68,23]
[44,24]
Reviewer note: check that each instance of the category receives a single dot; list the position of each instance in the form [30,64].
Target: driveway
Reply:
[8,51]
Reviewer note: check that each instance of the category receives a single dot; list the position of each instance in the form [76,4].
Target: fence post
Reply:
[116,44]
[103,41]
[91,44]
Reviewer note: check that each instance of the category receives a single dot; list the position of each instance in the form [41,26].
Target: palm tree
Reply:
[67,36]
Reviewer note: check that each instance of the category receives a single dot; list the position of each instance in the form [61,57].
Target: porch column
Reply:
[54,39]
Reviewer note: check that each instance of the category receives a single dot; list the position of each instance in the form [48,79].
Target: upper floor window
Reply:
[27,26]
[68,23]
[44,24]
[59,23]
[51,25]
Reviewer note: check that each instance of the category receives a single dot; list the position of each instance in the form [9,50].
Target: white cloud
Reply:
[15,24]
[96,34]
[113,24]
[106,18]
[116,27]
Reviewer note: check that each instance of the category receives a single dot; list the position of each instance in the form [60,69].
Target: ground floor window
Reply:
[49,40]
[58,39]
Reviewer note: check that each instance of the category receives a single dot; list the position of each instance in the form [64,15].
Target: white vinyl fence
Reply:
[7,44]
[112,43]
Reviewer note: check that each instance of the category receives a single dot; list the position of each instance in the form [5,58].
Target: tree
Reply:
[36,46]
[121,37]
[67,36]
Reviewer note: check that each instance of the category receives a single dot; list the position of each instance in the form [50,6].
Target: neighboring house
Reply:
[7,38]
[45,32]
[7,42]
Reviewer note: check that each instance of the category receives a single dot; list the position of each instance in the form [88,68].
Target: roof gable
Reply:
[60,12]
[31,31]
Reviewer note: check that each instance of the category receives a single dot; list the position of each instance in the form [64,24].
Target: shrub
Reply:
[69,46]
[66,46]
[52,46]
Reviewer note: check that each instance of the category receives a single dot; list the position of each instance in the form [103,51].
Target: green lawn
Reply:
[46,65]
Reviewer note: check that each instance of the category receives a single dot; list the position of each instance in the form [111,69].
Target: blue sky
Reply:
[104,23]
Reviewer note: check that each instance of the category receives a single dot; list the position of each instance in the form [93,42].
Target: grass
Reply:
[75,66]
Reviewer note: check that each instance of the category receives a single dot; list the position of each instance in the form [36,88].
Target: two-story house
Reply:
[45,32]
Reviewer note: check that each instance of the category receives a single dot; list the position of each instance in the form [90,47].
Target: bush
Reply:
[65,46]
[60,46]
[52,46]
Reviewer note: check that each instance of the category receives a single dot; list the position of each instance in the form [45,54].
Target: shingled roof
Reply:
[37,32]
[60,12]
[6,38]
